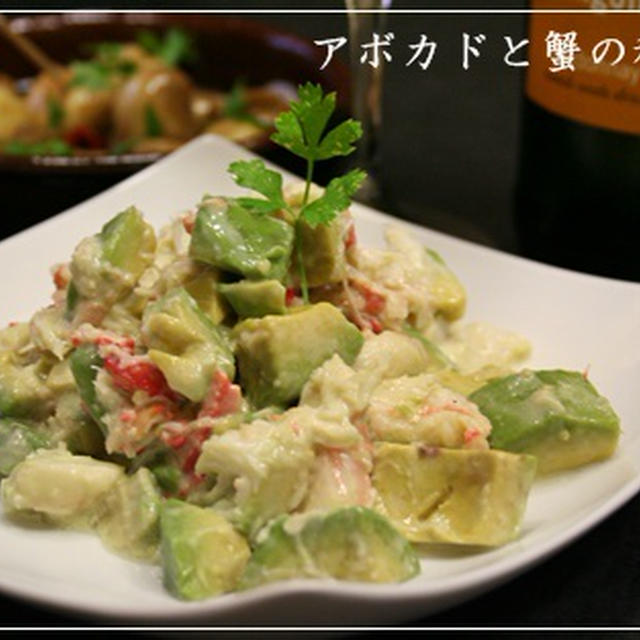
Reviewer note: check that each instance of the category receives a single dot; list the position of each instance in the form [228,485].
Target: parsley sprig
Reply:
[301,130]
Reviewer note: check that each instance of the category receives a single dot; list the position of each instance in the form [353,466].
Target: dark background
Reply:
[450,157]
[450,137]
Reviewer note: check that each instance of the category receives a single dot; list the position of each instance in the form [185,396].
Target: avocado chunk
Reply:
[23,378]
[391,354]
[277,354]
[230,237]
[107,265]
[17,441]
[473,497]
[54,486]
[128,242]
[85,361]
[323,252]
[352,543]
[202,555]
[255,298]
[129,516]
[446,294]
[468,382]
[557,416]
[72,425]
[203,288]
[185,344]
[50,331]
[23,389]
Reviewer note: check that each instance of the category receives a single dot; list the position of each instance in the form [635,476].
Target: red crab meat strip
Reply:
[61,276]
[290,296]
[350,239]
[138,375]
[222,398]
[196,438]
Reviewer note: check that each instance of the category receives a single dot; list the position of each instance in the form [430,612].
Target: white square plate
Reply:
[572,320]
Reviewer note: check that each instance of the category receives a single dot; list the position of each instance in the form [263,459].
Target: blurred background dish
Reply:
[125,89]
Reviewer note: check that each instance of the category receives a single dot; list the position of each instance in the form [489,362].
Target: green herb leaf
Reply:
[174,48]
[339,141]
[178,47]
[254,175]
[125,67]
[153,126]
[107,52]
[55,113]
[97,74]
[149,41]
[57,147]
[313,111]
[235,102]
[236,106]
[336,198]
[73,297]
[90,74]
[167,476]
[300,129]
[289,134]
[52,147]
[436,256]
[124,146]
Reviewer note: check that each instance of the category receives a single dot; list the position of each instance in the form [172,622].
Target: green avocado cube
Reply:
[234,239]
[23,389]
[185,344]
[557,416]
[129,516]
[202,554]
[203,288]
[446,294]
[351,543]
[17,441]
[277,354]
[128,241]
[255,298]
[460,496]
[73,425]
[323,251]
[54,486]
[107,265]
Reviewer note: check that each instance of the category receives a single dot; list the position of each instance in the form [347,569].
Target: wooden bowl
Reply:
[228,48]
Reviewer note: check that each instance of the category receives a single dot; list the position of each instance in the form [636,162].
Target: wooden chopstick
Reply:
[36,55]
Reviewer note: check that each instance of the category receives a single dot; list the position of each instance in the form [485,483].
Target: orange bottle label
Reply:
[578,68]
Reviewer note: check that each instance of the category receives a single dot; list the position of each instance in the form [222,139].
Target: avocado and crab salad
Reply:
[248,395]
